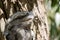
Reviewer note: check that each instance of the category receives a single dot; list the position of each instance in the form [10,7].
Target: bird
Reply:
[18,26]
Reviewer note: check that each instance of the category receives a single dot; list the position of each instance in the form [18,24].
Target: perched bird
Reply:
[18,26]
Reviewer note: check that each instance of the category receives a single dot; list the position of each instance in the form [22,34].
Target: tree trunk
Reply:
[40,24]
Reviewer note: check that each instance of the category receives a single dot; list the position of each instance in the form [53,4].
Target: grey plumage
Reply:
[18,26]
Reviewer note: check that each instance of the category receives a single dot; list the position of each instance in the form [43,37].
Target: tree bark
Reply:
[40,24]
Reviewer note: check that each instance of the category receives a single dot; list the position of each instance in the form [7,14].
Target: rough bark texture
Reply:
[1,35]
[40,24]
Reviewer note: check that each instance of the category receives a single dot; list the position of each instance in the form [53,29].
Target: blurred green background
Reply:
[53,8]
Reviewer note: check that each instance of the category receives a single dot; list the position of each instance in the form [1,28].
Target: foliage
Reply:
[55,7]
